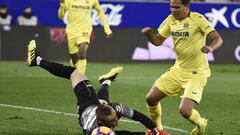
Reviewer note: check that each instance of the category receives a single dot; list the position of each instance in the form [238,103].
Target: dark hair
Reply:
[3,6]
[185,2]
[102,112]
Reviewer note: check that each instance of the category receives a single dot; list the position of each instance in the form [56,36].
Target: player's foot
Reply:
[157,131]
[199,130]
[31,58]
[111,75]
[194,131]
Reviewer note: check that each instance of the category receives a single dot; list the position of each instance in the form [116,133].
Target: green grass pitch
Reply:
[36,88]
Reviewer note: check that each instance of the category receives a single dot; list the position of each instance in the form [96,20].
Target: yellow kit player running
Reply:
[79,28]
[191,69]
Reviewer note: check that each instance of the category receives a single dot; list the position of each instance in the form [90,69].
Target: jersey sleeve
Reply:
[204,24]
[102,16]
[122,111]
[164,29]
[133,115]
[62,9]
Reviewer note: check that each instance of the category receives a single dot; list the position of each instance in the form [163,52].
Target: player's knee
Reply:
[185,112]
[151,100]
[77,77]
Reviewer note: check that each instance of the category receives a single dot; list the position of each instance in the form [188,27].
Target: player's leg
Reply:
[189,113]
[79,58]
[105,81]
[84,91]
[153,105]
[87,100]
[56,69]
[166,85]
[191,96]
[77,47]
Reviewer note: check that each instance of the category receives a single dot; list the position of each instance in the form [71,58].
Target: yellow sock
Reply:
[155,113]
[81,66]
[195,118]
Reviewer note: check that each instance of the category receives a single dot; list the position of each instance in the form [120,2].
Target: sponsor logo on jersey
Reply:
[80,7]
[180,34]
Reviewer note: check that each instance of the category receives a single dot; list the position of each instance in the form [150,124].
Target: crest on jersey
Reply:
[185,25]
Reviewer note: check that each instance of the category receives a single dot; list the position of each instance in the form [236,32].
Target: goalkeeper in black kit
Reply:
[94,109]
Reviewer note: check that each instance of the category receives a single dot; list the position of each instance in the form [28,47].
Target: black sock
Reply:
[103,92]
[56,69]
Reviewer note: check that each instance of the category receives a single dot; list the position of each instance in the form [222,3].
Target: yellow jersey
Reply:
[189,36]
[79,16]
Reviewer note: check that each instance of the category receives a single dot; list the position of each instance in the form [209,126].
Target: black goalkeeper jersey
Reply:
[88,119]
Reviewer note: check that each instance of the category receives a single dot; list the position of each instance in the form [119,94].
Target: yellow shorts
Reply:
[73,42]
[176,80]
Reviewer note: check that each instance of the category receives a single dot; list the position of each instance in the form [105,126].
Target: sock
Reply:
[38,60]
[195,118]
[103,93]
[108,82]
[56,69]
[155,113]
[81,66]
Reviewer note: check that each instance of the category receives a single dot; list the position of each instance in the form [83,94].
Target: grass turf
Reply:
[34,87]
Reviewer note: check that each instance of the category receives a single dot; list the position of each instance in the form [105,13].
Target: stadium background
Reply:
[143,63]
[125,18]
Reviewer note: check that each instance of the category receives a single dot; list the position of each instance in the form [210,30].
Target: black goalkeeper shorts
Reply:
[86,95]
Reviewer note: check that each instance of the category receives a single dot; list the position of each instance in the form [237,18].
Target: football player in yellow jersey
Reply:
[79,28]
[191,70]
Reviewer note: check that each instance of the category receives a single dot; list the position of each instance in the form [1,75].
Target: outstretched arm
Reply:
[62,9]
[216,42]
[102,16]
[143,119]
[155,39]
[130,113]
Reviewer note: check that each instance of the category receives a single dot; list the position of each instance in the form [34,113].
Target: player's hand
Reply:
[62,1]
[108,35]
[146,31]
[207,49]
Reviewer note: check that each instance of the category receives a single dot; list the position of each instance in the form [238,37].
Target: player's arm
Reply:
[102,16]
[155,39]
[143,119]
[62,9]
[147,122]
[163,33]
[130,113]
[206,28]
[215,44]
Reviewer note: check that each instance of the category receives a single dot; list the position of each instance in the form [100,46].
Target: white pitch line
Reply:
[75,115]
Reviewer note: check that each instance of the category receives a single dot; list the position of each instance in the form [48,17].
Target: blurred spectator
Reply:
[235,0]
[5,18]
[199,0]
[218,1]
[27,18]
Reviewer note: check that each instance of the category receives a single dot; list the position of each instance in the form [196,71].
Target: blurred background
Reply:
[33,102]
[126,18]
